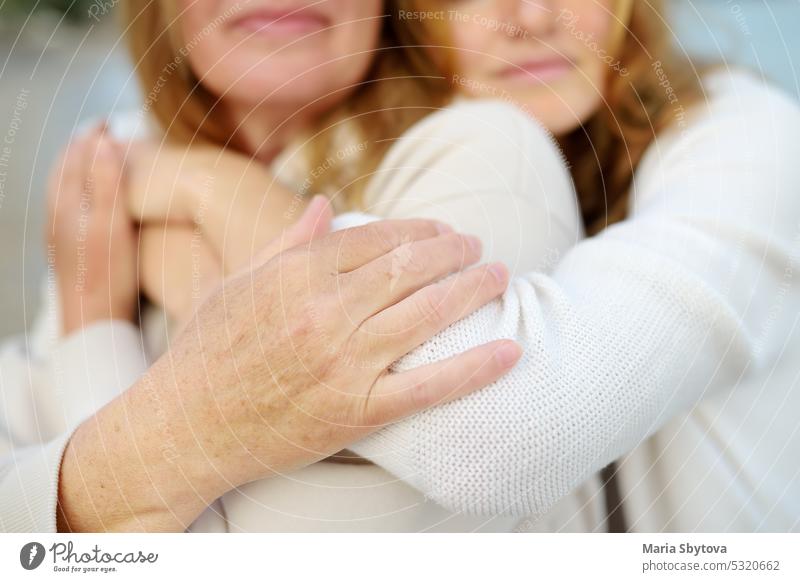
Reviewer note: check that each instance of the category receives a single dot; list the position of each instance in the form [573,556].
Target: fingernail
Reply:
[312,204]
[321,200]
[499,271]
[318,204]
[508,354]
[474,243]
[443,228]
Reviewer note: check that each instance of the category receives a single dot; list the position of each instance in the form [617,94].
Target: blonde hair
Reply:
[605,152]
[179,103]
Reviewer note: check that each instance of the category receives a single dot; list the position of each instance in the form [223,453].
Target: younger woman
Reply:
[666,325]
[676,323]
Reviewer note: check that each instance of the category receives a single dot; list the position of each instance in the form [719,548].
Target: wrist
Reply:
[75,317]
[200,437]
[181,477]
[187,199]
[132,467]
[194,187]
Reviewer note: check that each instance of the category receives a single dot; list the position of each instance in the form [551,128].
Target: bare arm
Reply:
[234,201]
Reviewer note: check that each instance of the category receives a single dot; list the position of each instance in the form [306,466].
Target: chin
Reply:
[311,95]
[294,79]
[553,109]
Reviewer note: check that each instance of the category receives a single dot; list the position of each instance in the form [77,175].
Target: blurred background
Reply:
[63,62]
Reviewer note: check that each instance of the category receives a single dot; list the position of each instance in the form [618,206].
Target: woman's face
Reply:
[283,53]
[548,57]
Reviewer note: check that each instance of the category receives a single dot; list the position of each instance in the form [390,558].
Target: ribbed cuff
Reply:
[96,364]
[29,487]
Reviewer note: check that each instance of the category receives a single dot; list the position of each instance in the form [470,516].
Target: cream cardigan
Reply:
[661,340]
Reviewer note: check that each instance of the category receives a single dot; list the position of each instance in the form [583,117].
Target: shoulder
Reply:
[738,140]
[734,104]
[470,144]
[484,123]
[488,169]
[737,117]
[743,93]
[491,112]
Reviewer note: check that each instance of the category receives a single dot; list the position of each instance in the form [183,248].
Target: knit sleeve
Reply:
[682,300]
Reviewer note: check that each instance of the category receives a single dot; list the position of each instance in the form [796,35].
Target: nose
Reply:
[537,17]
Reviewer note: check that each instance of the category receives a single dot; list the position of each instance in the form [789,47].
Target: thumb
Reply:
[315,222]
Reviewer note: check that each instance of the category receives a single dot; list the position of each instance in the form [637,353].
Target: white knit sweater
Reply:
[685,312]
[678,319]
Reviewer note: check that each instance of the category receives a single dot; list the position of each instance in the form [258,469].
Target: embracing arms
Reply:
[256,384]
[631,328]
[622,331]
[262,380]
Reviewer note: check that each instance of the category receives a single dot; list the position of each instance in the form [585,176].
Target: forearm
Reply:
[135,466]
[239,213]
[234,202]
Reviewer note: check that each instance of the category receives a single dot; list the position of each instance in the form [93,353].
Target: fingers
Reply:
[348,249]
[66,185]
[93,240]
[402,327]
[314,223]
[69,175]
[406,269]
[396,396]
[105,171]
[88,158]
[111,228]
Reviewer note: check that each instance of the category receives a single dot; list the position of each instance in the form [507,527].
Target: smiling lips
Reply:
[282,23]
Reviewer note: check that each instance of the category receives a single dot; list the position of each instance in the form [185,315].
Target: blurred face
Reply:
[280,53]
[548,57]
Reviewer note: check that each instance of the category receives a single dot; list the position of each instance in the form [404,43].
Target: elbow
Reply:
[510,484]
